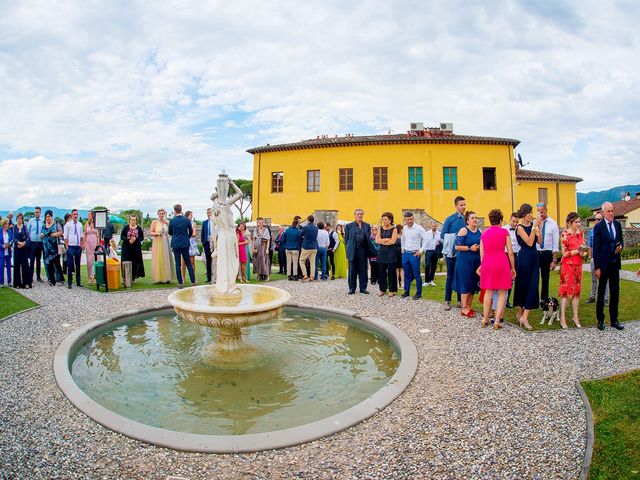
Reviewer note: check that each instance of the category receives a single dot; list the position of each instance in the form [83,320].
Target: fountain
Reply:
[228,306]
[222,375]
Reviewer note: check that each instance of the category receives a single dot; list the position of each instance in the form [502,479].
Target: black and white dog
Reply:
[550,310]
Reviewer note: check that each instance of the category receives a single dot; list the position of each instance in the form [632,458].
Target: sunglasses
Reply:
[598,219]
[540,204]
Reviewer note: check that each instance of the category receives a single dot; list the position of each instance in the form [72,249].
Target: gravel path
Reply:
[483,404]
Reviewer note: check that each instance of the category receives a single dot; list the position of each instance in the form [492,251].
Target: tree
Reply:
[132,211]
[246,186]
[99,207]
[242,220]
[28,216]
[584,212]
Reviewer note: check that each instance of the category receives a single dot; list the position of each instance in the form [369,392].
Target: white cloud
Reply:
[143,103]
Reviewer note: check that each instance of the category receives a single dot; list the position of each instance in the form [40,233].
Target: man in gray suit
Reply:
[181,230]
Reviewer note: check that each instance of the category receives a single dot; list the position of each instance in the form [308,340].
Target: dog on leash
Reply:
[549,310]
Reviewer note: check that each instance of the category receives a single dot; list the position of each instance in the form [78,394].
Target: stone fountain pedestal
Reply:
[248,305]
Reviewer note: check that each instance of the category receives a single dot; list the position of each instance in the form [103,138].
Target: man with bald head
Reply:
[607,245]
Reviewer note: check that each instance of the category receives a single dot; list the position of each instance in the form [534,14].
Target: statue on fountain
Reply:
[227,244]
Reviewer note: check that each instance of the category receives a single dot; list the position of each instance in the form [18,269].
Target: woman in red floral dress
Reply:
[573,251]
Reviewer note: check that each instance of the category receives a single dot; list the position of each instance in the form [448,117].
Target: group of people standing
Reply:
[27,246]
[521,255]
[311,252]
[517,257]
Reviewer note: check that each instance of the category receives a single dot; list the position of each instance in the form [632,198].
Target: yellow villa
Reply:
[426,168]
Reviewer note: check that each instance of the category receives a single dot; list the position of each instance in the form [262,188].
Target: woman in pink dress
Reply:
[242,251]
[497,268]
[90,244]
[573,251]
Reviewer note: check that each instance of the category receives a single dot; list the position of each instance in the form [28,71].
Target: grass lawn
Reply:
[12,302]
[615,403]
[632,267]
[201,274]
[629,308]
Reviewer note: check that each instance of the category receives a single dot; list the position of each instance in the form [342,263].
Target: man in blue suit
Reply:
[205,236]
[452,225]
[181,230]
[356,239]
[607,245]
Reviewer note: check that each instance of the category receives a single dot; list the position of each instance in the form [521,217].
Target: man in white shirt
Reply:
[413,243]
[35,226]
[74,242]
[431,254]
[321,256]
[511,228]
[548,247]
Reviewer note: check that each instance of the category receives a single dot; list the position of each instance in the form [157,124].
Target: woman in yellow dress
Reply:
[162,270]
[340,255]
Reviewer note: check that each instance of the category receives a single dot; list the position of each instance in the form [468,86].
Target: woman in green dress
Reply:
[340,255]
[247,236]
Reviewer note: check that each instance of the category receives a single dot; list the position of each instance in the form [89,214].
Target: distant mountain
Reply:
[595,199]
[57,212]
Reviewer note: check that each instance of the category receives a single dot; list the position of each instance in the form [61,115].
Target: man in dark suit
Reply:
[356,238]
[107,233]
[181,230]
[205,236]
[607,245]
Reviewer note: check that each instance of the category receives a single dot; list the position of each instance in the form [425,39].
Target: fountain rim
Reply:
[282,297]
[254,442]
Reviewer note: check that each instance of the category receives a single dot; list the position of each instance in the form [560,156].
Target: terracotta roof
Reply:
[622,207]
[544,176]
[404,138]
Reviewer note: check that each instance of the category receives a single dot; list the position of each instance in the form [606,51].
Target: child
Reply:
[113,249]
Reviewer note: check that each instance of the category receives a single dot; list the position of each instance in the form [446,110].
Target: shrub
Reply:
[630,252]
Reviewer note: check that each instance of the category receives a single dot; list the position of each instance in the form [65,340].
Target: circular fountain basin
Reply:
[317,372]
[254,304]
[248,305]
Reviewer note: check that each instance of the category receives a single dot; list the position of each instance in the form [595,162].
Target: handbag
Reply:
[61,249]
[373,251]
[193,249]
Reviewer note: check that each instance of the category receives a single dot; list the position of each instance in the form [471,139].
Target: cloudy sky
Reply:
[141,103]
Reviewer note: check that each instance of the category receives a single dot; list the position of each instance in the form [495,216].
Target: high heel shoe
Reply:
[523,325]
[485,323]
[576,322]
[497,325]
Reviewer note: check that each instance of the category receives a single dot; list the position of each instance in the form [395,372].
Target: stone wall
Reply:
[631,236]
[326,216]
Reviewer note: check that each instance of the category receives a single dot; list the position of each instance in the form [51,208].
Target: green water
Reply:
[308,365]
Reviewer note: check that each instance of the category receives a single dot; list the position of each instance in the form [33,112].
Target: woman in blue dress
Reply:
[466,280]
[22,276]
[525,294]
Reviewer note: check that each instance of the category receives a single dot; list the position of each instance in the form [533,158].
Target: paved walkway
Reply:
[624,274]
[483,404]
